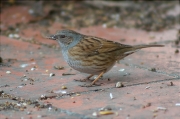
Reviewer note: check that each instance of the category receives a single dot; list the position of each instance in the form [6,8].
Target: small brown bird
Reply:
[92,55]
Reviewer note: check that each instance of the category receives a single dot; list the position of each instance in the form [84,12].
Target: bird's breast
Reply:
[85,64]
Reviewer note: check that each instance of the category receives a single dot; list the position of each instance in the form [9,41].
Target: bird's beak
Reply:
[52,37]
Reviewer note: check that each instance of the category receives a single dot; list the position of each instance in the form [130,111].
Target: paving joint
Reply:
[73,114]
[155,71]
[96,90]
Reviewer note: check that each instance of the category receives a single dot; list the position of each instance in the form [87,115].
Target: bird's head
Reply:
[66,37]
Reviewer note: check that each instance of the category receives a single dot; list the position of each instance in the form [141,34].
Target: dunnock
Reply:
[92,55]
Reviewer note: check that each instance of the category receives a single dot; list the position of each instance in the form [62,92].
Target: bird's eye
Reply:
[62,36]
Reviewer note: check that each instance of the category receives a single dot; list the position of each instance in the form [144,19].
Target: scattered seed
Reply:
[104,25]
[152,37]
[147,87]
[106,112]
[59,91]
[39,116]
[32,69]
[10,35]
[161,108]
[43,97]
[153,69]
[171,84]
[58,67]
[19,86]
[28,113]
[147,105]
[111,96]
[95,114]
[119,85]
[49,108]
[154,115]
[121,69]
[177,104]
[63,87]
[16,36]
[105,108]
[1,60]
[51,74]
[24,65]
[8,72]
[18,104]
[176,51]
[177,42]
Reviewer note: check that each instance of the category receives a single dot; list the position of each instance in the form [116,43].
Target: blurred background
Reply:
[155,15]
[32,67]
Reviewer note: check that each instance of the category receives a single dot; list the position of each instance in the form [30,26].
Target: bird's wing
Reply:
[90,46]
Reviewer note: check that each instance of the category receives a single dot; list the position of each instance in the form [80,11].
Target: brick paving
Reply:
[151,78]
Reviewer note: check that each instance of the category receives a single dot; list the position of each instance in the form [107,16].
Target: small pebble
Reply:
[8,72]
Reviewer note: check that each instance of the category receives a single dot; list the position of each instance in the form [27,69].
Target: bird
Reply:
[92,55]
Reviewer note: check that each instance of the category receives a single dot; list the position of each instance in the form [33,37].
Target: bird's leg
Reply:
[93,83]
[84,80]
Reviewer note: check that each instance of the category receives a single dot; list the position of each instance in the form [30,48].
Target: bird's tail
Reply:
[133,49]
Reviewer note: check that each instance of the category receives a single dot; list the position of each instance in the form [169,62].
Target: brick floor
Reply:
[146,93]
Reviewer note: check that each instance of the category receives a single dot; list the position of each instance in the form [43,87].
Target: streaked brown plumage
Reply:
[90,54]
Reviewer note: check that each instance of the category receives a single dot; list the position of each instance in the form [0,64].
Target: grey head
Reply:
[66,38]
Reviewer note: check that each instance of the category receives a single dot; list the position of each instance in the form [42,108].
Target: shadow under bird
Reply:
[92,55]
